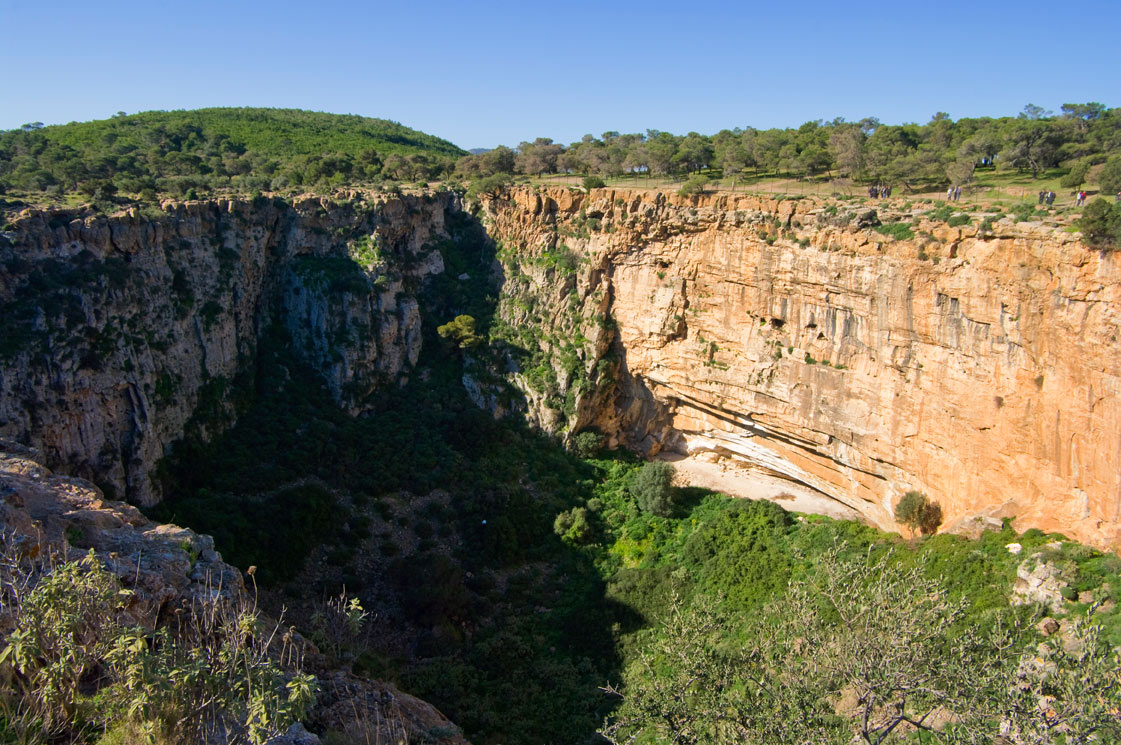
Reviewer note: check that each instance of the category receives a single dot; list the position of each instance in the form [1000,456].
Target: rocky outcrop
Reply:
[1040,581]
[164,566]
[119,330]
[979,365]
[170,570]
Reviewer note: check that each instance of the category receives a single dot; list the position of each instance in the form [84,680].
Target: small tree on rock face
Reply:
[653,490]
[916,511]
[461,332]
[586,444]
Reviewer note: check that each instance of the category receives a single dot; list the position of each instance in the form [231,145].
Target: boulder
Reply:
[1047,626]
[1039,581]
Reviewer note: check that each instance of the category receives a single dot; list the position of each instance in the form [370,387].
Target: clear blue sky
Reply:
[481,74]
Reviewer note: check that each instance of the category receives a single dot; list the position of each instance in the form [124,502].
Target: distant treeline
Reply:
[940,152]
[247,150]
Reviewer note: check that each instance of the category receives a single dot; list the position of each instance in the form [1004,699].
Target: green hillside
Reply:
[242,149]
[281,133]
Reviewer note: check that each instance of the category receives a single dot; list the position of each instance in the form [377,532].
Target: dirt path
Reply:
[751,484]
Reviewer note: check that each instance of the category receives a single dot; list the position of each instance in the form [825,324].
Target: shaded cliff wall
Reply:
[983,369]
[118,330]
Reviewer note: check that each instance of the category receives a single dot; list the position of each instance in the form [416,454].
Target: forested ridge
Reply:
[240,149]
[244,149]
[942,151]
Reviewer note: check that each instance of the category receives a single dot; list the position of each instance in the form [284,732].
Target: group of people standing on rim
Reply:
[879,192]
[953,194]
[1046,197]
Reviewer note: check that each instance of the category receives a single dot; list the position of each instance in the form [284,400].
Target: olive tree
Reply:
[863,649]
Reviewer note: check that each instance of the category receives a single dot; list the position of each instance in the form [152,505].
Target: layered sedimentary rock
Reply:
[980,365]
[118,330]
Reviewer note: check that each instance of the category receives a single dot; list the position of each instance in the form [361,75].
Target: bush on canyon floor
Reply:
[653,488]
[916,511]
[586,444]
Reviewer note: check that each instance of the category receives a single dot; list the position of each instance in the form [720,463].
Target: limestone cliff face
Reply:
[983,369]
[117,330]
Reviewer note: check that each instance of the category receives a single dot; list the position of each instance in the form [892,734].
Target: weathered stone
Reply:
[296,735]
[170,309]
[1040,582]
[1047,626]
[984,371]
[976,526]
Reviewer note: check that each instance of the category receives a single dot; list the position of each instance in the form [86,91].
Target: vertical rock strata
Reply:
[983,369]
[117,330]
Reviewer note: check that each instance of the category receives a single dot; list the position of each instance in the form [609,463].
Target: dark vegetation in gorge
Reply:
[512,579]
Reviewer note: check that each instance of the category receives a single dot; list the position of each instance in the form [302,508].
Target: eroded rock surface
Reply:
[166,567]
[983,368]
[119,329]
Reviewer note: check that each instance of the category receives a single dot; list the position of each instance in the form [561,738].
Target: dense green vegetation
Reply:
[73,672]
[242,149]
[512,579]
[189,153]
[1101,224]
[916,156]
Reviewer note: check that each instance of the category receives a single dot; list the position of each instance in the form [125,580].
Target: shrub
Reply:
[75,669]
[916,511]
[593,182]
[695,185]
[1075,176]
[587,444]
[652,488]
[742,555]
[488,185]
[1101,224]
[573,526]
[900,231]
[460,332]
[1109,179]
